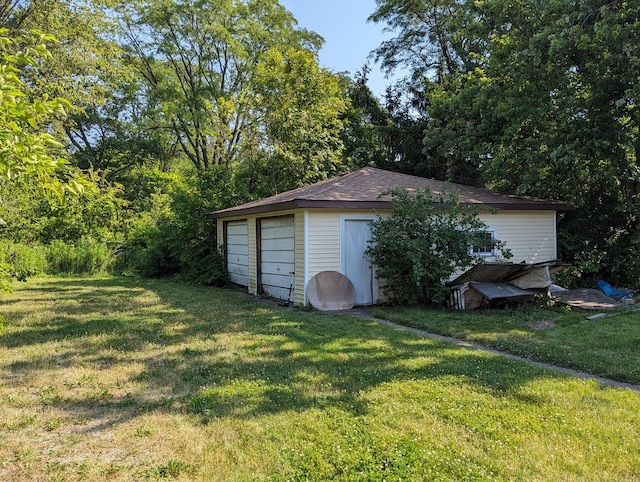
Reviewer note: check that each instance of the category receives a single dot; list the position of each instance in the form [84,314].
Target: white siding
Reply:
[323,242]
[300,256]
[530,235]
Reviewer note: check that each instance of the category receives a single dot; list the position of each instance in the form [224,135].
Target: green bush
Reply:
[85,257]
[148,253]
[23,260]
[174,236]
[423,243]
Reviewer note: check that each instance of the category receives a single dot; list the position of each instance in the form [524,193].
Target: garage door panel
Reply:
[237,227]
[277,222]
[278,269]
[277,255]
[239,265]
[237,250]
[237,245]
[277,287]
[277,280]
[238,274]
[278,244]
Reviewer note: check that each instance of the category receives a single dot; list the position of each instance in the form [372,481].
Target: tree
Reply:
[25,143]
[423,243]
[365,122]
[438,42]
[300,106]
[534,98]
[198,60]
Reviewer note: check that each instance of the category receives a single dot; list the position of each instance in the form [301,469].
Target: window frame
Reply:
[486,254]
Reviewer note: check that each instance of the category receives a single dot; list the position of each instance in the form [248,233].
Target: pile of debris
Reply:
[487,283]
[605,297]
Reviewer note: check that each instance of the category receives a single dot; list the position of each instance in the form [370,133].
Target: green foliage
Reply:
[98,211]
[173,235]
[84,257]
[533,98]
[198,61]
[25,143]
[423,243]
[22,261]
[301,107]
[365,122]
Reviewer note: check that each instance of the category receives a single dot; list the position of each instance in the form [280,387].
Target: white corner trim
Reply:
[306,255]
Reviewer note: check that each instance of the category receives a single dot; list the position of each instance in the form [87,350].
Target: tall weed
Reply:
[23,260]
[85,257]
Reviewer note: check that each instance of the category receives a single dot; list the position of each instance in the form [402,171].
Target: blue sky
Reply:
[348,36]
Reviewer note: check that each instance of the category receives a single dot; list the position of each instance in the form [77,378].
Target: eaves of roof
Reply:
[376,205]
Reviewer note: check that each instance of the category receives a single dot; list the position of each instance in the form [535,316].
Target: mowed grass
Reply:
[121,379]
[608,347]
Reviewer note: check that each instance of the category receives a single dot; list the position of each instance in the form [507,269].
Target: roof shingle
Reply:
[362,189]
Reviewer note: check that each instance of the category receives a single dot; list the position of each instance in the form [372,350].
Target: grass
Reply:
[607,347]
[122,379]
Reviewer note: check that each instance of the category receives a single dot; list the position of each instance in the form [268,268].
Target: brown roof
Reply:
[361,190]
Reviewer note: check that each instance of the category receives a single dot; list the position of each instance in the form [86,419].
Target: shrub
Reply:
[423,243]
[174,236]
[22,260]
[86,257]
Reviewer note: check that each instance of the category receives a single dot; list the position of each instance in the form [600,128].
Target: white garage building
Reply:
[279,243]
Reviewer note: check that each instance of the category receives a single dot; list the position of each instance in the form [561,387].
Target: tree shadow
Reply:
[216,354]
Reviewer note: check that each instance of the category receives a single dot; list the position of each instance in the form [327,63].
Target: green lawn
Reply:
[609,347]
[122,379]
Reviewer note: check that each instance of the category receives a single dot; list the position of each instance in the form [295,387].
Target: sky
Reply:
[349,38]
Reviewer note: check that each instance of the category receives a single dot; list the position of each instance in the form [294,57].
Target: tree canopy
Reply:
[174,108]
[532,98]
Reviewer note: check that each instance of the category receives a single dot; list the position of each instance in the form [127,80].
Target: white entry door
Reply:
[356,267]
[277,256]
[237,244]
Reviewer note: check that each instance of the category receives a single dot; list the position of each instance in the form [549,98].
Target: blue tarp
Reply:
[611,292]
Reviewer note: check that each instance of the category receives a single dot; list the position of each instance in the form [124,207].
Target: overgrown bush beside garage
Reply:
[423,243]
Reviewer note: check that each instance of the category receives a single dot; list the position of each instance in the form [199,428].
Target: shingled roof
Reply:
[362,189]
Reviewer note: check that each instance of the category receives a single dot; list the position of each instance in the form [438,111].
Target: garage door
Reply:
[277,256]
[238,252]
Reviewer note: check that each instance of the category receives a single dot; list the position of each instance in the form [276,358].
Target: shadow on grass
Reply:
[216,354]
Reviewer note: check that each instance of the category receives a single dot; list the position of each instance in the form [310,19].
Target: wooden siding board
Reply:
[529,234]
[253,256]
[299,269]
